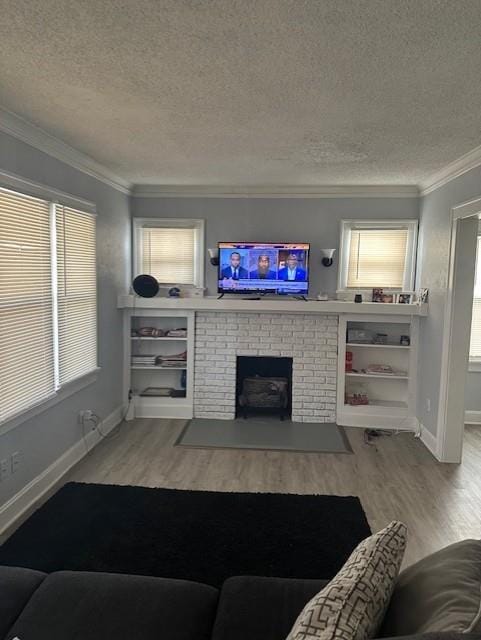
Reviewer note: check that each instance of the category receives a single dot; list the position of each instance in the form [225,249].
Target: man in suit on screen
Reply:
[292,271]
[234,271]
[263,271]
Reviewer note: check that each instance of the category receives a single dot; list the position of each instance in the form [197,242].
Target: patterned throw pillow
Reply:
[353,604]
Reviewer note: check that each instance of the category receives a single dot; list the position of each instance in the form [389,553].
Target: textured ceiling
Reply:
[249,92]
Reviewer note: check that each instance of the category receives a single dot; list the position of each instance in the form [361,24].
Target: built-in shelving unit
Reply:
[391,397]
[177,377]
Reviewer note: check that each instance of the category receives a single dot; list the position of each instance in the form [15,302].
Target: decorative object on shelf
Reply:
[214,257]
[327,256]
[358,297]
[177,333]
[405,341]
[380,338]
[145,286]
[143,361]
[150,332]
[348,361]
[174,292]
[357,396]
[387,298]
[359,335]
[404,298]
[377,295]
[379,369]
[422,296]
[156,392]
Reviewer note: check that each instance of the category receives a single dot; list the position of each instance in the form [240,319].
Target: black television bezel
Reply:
[263,291]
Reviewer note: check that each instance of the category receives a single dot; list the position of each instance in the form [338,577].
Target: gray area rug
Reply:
[265,433]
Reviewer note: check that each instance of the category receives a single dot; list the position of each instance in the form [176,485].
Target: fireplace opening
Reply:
[263,386]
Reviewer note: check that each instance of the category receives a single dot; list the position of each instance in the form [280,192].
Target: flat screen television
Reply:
[264,267]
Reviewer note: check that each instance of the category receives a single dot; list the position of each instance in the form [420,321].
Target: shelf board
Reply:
[377,346]
[160,399]
[388,404]
[376,375]
[167,338]
[157,367]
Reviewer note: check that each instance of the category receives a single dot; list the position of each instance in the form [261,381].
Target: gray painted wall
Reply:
[48,435]
[433,263]
[473,391]
[277,220]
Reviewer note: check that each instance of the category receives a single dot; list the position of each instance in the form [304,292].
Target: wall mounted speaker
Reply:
[145,286]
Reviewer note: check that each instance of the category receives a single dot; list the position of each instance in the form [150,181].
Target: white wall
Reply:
[433,263]
[44,438]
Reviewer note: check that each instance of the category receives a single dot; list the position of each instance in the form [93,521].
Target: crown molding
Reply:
[462,165]
[322,191]
[34,136]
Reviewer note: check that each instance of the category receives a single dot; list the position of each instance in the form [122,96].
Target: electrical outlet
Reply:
[3,469]
[15,460]
[428,405]
[85,414]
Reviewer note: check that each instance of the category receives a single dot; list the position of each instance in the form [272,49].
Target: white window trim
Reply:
[348,225]
[181,223]
[474,364]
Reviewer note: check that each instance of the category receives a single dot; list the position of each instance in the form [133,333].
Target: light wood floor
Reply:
[396,479]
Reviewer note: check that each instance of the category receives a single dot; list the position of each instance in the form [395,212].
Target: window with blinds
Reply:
[48,314]
[475,343]
[170,249]
[26,318]
[378,255]
[168,254]
[76,293]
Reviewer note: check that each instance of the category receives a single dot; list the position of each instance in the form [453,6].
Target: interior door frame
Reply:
[456,335]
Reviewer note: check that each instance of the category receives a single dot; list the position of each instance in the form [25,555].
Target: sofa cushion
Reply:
[254,608]
[441,592]
[102,606]
[16,587]
[352,605]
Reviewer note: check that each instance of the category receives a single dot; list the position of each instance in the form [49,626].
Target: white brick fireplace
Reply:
[310,340]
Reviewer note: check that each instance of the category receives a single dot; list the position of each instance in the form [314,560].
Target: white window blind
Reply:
[377,258]
[26,322]
[168,254]
[77,293]
[475,344]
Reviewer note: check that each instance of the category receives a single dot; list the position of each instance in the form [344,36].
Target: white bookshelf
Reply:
[138,377]
[392,397]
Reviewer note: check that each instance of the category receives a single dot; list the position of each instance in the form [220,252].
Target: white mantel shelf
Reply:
[267,305]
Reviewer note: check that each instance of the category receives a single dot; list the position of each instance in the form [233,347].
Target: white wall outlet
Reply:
[15,460]
[428,405]
[3,469]
[85,414]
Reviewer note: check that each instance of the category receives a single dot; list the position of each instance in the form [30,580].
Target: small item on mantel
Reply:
[181,332]
[405,341]
[357,396]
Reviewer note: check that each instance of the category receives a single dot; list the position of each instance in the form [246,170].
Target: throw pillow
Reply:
[439,593]
[352,605]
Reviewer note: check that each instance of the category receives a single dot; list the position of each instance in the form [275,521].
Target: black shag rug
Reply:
[193,535]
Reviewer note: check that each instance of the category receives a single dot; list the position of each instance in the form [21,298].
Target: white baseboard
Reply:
[429,441]
[472,417]
[36,488]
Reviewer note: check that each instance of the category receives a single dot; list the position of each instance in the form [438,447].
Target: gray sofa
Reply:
[70,605]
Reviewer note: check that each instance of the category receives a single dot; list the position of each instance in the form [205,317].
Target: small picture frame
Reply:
[377,295]
[387,298]
[404,298]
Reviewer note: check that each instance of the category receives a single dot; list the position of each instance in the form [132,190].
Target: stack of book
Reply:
[143,361]
[176,360]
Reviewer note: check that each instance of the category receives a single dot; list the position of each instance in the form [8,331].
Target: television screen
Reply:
[265,267]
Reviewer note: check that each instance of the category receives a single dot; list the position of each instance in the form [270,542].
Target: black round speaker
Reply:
[145,286]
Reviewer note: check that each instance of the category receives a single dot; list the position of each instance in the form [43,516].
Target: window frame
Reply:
[383,224]
[25,187]
[197,224]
